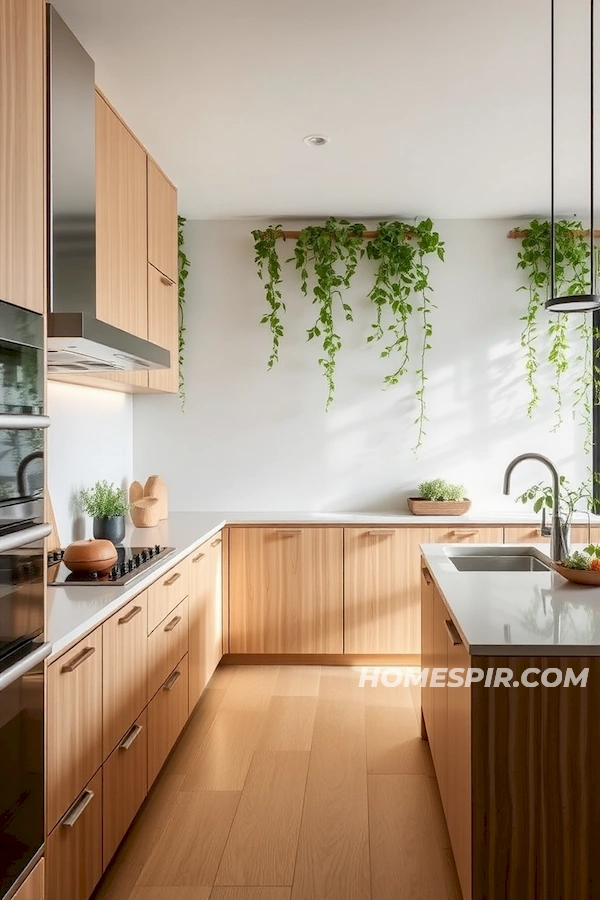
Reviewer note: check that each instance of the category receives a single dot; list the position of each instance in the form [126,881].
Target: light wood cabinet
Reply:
[439,747]
[382,580]
[427,588]
[167,714]
[125,651]
[167,593]
[74,724]
[286,590]
[163,328]
[74,847]
[124,785]
[167,644]
[205,615]
[121,239]
[458,762]
[23,153]
[33,886]
[162,222]
[527,534]
[467,535]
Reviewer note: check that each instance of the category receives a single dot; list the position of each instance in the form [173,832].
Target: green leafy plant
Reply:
[269,271]
[438,489]
[570,497]
[183,272]
[103,500]
[586,560]
[572,276]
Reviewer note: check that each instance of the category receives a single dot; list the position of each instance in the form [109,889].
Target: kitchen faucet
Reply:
[558,543]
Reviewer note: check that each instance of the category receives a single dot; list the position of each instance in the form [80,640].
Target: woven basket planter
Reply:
[420,507]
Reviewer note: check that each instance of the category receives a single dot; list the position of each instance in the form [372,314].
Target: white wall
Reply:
[90,438]
[252,439]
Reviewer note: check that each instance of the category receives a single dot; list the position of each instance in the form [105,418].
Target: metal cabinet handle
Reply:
[216,542]
[23,423]
[166,280]
[79,659]
[173,624]
[453,632]
[77,809]
[124,620]
[427,575]
[199,557]
[130,737]
[172,579]
[461,531]
[288,532]
[171,680]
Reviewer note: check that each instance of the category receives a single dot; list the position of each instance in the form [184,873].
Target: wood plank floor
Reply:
[291,783]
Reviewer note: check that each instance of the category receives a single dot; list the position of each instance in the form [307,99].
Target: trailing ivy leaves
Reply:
[400,249]
[332,251]
[572,276]
[183,272]
[269,270]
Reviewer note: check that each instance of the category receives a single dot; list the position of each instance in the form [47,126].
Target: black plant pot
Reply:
[110,528]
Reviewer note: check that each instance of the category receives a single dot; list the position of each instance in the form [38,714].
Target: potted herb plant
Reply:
[439,498]
[107,504]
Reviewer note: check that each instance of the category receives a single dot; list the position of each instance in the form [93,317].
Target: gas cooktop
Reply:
[132,563]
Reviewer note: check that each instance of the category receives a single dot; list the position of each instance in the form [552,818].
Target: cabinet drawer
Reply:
[166,646]
[125,649]
[466,535]
[124,785]
[74,848]
[74,724]
[33,886]
[167,714]
[167,593]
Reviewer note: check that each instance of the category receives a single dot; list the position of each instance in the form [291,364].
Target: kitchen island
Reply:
[516,748]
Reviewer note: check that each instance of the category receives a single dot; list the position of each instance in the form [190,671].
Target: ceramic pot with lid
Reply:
[90,556]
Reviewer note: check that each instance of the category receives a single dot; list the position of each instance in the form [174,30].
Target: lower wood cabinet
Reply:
[167,593]
[205,615]
[167,714]
[73,724]
[465,534]
[427,588]
[74,847]
[33,886]
[439,746]
[286,590]
[527,534]
[167,644]
[125,785]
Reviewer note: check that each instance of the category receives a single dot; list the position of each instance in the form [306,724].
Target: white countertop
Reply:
[517,613]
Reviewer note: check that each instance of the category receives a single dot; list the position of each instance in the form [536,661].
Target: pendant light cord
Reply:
[552,160]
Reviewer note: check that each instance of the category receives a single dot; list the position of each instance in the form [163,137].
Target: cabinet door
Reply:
[167,644]
[125,691]
[124,785]
[286,590]
[162,222]
[167,714]
[439,746]
[73,723]
[458,805]
[382,583]
[205,611]
[33,886]
[167,593]
[74,847]
[163,328]
[427,588]
[23,153]
[121,223]
[524,534]
[467,535]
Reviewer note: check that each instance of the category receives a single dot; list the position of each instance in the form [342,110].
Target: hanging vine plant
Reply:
[327,257]
[572,276]
[183,272]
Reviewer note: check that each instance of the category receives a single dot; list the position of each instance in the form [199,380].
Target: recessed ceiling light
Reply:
[316,140]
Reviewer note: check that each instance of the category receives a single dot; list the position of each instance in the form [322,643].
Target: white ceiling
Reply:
[434,107]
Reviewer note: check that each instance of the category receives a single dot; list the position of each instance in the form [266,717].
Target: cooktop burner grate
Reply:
[131,563]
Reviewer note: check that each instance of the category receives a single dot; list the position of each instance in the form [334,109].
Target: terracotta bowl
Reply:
[90,556]
[578,576]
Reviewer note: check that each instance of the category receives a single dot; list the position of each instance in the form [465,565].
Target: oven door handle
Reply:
[23,423]
[24,537]
[25,665]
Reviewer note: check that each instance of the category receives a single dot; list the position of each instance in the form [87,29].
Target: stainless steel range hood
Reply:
[77,340]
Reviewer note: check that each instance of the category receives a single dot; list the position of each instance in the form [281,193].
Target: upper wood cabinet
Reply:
[163,328]
[74,723]
[205,612]
[382,580]
[162,222]
[286,590]
[121,224]
[23,153]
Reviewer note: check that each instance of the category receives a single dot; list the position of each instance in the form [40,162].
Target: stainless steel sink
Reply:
[520,563]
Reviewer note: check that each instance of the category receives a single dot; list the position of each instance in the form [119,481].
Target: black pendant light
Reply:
[577,302]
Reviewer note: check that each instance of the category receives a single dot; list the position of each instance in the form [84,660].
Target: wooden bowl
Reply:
[420,507]
[90,556]
[578,576]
